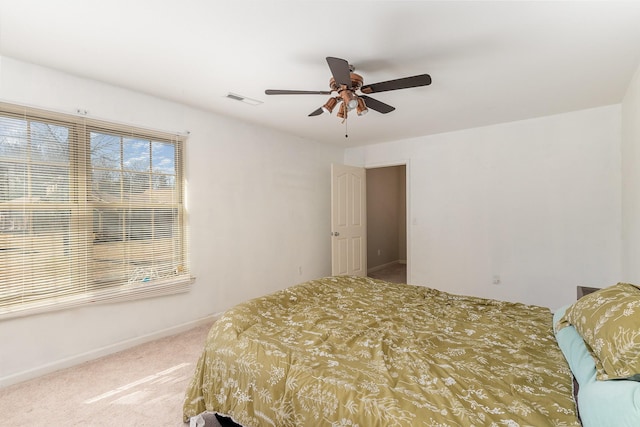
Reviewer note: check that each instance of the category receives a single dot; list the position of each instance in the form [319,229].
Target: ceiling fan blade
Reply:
[296,92]
[404,83]
[316,112]
[340,70]
[374,104]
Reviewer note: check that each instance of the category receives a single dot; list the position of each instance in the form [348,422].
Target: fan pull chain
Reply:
[346,128]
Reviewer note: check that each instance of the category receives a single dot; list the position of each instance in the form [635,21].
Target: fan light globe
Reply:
[350,99]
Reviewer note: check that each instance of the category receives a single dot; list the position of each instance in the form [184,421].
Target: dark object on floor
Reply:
[226,422]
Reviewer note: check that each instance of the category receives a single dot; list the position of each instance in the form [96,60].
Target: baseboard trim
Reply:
[101,352]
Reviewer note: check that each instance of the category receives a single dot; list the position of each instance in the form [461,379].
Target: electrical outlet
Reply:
[496,280]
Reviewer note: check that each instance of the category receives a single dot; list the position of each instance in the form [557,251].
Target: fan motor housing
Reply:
[356,83]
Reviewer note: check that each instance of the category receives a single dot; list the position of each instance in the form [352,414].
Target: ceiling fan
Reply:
[347,84]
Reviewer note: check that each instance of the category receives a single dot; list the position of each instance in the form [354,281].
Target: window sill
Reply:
[128,292]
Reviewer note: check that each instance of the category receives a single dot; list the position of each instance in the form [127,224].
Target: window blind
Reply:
[90,211]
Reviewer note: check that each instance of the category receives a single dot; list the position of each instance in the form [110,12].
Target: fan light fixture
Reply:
[362,107]
[350,99]
[342,112]
[330,105]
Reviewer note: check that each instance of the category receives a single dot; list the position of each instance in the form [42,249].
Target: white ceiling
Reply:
[491,62]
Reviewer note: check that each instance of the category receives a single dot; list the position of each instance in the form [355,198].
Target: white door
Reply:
[348,221]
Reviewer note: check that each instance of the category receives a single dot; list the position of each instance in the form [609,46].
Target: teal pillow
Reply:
[575,351]
[612,403]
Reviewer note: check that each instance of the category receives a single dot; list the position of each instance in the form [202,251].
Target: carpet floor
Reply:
[141,386]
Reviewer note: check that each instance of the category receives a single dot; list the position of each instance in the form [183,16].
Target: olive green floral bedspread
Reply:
[350,351]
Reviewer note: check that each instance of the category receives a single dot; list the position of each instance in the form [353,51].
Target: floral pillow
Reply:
[608,321]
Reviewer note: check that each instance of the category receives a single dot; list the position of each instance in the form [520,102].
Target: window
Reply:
[89,211]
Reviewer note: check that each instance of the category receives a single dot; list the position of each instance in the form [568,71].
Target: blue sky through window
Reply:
[137,154]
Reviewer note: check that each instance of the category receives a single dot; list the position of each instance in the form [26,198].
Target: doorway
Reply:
[386,207]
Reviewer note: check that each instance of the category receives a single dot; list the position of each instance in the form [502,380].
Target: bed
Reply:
[360,352]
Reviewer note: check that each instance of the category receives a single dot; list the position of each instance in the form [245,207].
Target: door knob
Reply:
[335,233]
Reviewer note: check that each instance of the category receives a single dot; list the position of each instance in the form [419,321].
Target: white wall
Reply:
[258,205]
[631,182]
[535,202]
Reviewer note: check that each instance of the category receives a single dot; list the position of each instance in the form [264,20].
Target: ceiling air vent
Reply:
[244,99]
